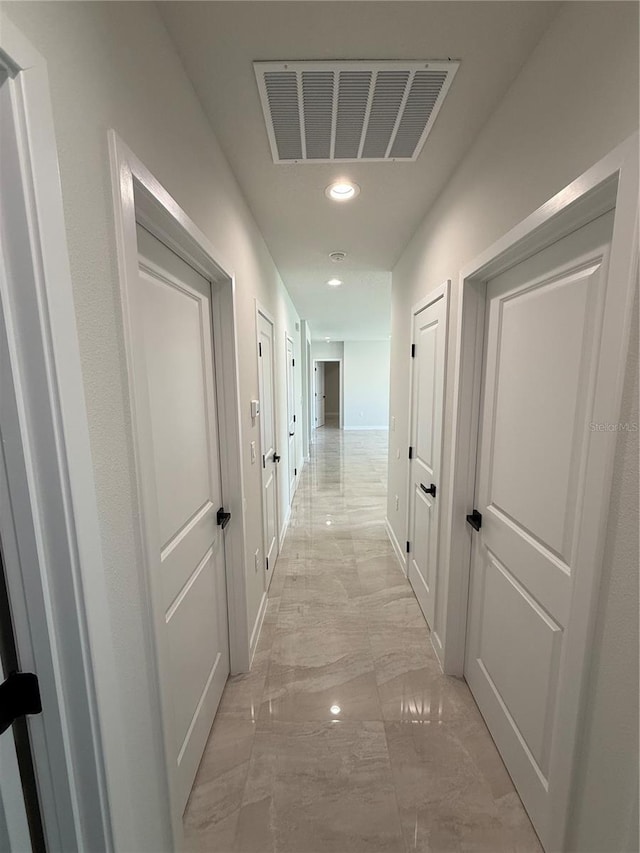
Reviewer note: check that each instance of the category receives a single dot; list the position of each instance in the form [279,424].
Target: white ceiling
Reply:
[218,42]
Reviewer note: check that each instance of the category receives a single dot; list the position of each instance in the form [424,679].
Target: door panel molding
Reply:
[140,198]
[611,183]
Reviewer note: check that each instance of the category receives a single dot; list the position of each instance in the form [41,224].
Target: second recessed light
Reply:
[334,282]
[342,190]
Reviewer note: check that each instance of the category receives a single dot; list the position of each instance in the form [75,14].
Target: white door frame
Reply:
[613,182]
[53,557]
[442,291]
[138,196]
[260,309]
[339,361]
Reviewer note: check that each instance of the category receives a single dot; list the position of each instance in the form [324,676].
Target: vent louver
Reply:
[318,112]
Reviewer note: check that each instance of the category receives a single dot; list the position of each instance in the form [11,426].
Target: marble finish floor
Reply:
[345,737]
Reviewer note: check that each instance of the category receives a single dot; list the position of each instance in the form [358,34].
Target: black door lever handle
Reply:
[475,519]
[429,491]
[223,518]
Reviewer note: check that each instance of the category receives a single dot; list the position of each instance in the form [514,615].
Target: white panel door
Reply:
[319,393]
[291,419]
[542,343]
[427,400]
[176,401]
[268,444]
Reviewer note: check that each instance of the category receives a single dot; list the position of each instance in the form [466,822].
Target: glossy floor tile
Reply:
[346,737]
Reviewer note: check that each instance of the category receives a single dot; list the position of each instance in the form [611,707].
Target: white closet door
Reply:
[429,337]
[291,419]
[176,400]
[268,444]
[542,346]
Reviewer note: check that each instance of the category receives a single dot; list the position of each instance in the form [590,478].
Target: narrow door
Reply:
[291,419]
[268,445]
[319,392]
[542,347]
[429,330]
[176,402]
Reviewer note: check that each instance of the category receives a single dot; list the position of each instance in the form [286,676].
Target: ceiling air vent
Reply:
[319,112]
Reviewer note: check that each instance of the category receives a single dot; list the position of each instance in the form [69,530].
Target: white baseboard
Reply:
[285,527]
[257,626]
[400,554]
[437,648]
[287,518]
[385,427]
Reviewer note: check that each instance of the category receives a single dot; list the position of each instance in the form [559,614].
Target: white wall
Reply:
[321,349]
[365,378]
[112,65]
[366,384]
[561,115]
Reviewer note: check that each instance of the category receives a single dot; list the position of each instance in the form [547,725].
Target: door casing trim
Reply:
[139,197]
[611,183]
[56,578]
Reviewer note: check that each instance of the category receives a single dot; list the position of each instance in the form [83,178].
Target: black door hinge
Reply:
[475,519]
[413,350]
[408,546]
[295,472]
[19,695]
[260,350]
[294,419]
[410,452]
[293,362]
[223,518]
[267,564]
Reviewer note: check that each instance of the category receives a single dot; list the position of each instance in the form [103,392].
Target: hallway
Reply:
[345,736]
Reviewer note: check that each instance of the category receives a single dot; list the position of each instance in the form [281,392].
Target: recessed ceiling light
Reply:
[327,339]
[342,190]
[334,282]
[335,709]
